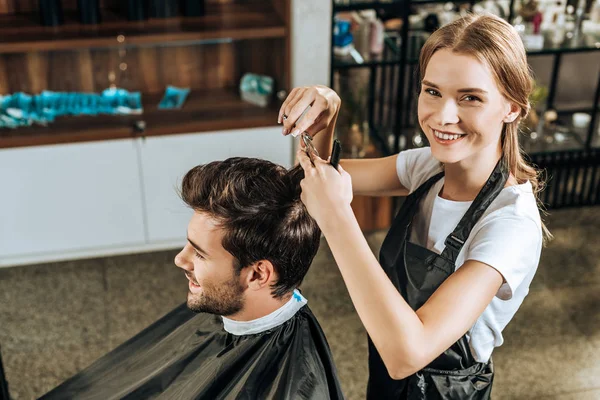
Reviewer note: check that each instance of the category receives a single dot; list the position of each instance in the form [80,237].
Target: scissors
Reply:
[309,147]
[311,150]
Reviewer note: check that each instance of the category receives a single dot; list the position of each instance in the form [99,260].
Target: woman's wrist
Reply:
[340,218]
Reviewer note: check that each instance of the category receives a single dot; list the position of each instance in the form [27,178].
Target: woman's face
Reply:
[461,109]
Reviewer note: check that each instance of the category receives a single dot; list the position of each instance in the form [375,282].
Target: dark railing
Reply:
[4,395]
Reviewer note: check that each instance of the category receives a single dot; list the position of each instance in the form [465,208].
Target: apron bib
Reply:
[417,272]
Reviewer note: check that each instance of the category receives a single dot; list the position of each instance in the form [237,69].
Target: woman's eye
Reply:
[432,92]
[472,98]
[198,255]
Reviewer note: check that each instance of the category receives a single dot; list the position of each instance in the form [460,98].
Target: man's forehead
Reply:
[202,225]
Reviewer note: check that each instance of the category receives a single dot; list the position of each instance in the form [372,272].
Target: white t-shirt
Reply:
[508,237]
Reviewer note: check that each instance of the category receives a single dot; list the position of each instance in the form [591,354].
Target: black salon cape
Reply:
[190,356]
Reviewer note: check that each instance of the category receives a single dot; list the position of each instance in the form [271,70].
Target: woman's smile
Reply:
[447,138]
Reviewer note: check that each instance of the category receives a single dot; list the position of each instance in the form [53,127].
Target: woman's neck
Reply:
[463,180]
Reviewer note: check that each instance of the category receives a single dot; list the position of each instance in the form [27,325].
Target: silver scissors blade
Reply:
[310,149]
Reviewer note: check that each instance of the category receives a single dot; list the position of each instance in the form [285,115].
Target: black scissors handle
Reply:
[335,154]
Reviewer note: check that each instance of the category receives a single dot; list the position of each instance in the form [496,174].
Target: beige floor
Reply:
[55,319]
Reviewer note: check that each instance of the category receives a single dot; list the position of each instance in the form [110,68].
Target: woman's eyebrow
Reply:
[427,83]
[463,90]
[472,90]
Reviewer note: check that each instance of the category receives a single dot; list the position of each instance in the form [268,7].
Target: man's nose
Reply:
[182,262]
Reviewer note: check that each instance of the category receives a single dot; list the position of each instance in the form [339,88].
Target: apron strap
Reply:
[410,206]
[424,188]
[492,188]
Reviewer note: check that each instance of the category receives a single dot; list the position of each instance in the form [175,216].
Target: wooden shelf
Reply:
[203,111]
[251,20]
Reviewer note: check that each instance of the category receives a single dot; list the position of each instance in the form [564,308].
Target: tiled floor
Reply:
[57,318]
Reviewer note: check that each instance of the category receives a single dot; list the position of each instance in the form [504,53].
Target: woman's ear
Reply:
[260,274]
[513,113]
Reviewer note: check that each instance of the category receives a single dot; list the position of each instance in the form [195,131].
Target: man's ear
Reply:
[260,274]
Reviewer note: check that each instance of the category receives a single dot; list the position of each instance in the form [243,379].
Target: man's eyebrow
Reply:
[194,245]
[464,90]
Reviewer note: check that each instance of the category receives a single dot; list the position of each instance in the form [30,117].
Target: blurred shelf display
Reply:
[389,81]
[356,59]
[205,56]
[184,102]
[357,5]
[203,111]
[250,20]
[568,44]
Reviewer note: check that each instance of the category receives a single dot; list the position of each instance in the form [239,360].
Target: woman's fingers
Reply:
[288,119]
[295,116]
[287,100]
[315,164]
[304,160]
[312,121]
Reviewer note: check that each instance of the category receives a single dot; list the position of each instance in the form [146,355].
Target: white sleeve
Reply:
[511,245]
[415,166]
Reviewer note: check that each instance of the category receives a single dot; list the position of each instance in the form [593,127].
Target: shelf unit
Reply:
[207,54]
[126,189]
[204,111]
[235,21]
[390,111]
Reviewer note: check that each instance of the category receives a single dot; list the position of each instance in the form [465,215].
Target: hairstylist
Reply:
[460,255]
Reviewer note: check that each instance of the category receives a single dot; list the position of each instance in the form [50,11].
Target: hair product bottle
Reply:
[136,10]
[89,11]
[162,8]
[51,13]
[193,8]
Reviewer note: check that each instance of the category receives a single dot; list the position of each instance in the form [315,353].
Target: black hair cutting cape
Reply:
[190,356]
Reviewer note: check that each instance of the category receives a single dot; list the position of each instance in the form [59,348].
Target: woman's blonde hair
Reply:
[495,42]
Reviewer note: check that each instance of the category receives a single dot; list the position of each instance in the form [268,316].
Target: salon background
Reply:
[58,318]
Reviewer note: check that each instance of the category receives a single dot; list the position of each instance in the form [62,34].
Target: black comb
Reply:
[335,153]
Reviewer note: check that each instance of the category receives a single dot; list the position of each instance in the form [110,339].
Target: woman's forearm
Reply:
[323,140]
[394,327]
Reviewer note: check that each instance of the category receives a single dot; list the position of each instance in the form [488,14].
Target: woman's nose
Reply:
[447,113]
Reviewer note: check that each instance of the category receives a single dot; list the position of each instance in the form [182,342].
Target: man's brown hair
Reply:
[257,204]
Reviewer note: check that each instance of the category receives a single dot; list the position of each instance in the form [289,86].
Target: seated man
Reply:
[250,243]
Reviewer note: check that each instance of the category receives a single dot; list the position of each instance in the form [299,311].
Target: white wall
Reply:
[311,42]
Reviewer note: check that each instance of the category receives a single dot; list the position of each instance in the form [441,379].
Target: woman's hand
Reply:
[326,193]
[324,103]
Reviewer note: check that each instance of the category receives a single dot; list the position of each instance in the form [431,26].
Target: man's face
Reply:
[214,286]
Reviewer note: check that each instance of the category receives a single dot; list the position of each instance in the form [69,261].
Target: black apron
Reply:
[417,272]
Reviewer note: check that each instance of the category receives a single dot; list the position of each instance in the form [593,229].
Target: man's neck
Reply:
[265,317]
[259,306]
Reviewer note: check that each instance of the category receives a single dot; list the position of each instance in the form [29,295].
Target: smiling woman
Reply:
[458,259]
[461,109]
